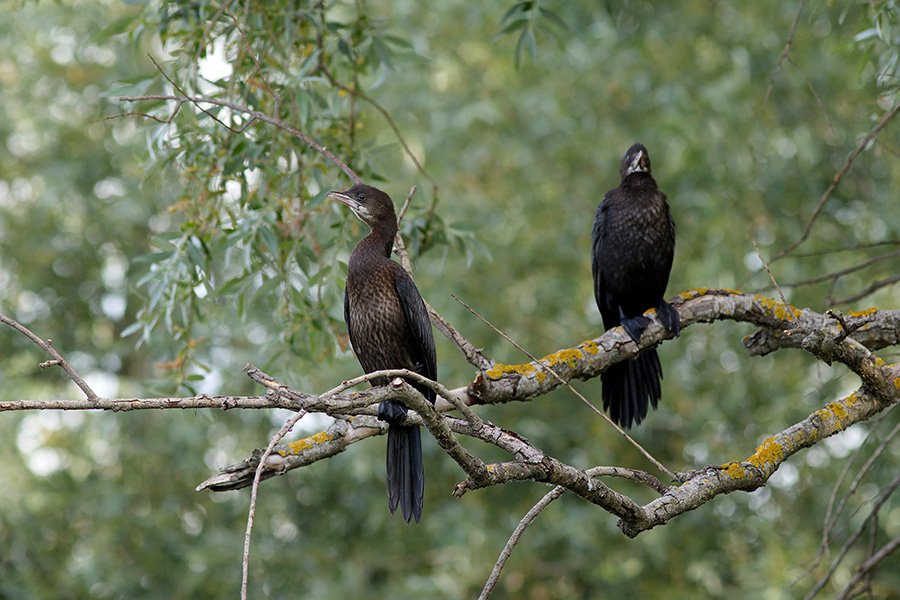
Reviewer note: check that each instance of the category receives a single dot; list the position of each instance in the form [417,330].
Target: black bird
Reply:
[633,241]
[389,329]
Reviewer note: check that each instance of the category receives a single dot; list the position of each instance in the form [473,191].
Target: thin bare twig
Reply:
[829,522]
[57,359]
[772,277]
[846,328]
[473,355]
[869,290]
[181,91]
[529,517]
[885,494]
[847,248]
[254,114]
[784,53]
[846,271]
[837,179]
[831,518]
[632,475]
[813,90]
[649,456]
[552,495]
[245,561]
[412,192]
[865,569]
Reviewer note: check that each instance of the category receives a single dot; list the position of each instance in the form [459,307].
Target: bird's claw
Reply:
[635,327]
[668,316]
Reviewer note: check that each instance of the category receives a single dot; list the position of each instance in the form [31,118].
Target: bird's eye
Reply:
[361,197]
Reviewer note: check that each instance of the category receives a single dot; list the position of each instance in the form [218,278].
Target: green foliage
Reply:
[213,233]
[255,233]
[526,18]
[883,40]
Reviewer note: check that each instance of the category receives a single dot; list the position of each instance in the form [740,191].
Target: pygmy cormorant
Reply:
[633,241]
[389,329]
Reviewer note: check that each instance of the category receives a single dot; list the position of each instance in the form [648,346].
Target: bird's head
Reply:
[636,160]
[370,204]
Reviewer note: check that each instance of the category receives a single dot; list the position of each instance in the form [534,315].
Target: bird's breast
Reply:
[378,328]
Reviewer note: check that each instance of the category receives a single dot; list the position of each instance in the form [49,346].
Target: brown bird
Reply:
[389,329]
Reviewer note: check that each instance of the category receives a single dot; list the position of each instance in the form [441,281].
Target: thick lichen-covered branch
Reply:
[755,470]
[850,339]
[785,327]
[530,463]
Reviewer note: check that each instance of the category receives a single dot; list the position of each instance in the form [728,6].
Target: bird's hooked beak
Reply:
[638,163]
[350,201]
[345,199]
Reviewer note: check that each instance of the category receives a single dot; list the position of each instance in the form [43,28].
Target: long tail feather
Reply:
[405,473]
[631,387]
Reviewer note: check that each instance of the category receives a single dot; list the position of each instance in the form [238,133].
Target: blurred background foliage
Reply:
[161,256]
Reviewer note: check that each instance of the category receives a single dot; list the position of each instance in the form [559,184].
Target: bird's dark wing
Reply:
[596,244]
[598,238]
[419,323]
[347,314]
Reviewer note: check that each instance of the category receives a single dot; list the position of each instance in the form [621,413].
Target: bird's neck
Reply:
[379,242]
[639,179]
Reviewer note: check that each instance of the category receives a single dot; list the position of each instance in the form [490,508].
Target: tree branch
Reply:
[867,567]
[753,472]
[784,53]
[56,358]
[580,396]
[837,179]
[849,340]
[473,355]
[254,114]
[529,518]
[254,494]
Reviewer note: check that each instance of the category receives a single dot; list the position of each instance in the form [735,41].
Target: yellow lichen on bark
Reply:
[569,356]
[782,311]
[837,411]
[769,452]
[306,443]
[735,470]
[692,293]
[590,347]
[499,370]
